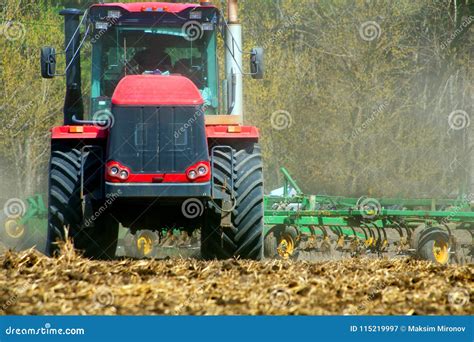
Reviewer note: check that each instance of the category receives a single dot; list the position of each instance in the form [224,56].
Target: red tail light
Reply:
[198,171]
[116,172]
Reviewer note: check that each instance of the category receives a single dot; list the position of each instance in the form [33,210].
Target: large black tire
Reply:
[245,239]
[98,240]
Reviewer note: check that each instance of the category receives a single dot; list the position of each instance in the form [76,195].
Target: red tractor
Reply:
[153,151]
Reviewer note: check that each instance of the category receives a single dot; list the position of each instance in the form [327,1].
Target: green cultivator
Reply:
[329,226]
[306,226]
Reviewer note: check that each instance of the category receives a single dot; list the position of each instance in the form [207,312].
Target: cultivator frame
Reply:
[433,229]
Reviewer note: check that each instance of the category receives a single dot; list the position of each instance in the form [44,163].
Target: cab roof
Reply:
[154,6]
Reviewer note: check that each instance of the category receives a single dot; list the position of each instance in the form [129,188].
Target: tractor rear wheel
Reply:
[65,207]
[240,174]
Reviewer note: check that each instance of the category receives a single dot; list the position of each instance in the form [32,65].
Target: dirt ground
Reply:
[31,283]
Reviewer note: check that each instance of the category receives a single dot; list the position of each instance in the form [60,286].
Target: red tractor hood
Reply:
[156,90]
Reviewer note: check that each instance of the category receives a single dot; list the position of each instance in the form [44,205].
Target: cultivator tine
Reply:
[325,246]
[340,242]
[355,246]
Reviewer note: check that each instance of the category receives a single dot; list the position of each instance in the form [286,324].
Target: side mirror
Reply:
[256,63]
[48,62]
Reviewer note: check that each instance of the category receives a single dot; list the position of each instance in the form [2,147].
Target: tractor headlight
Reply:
[101,25]
[195,15]
[113,14]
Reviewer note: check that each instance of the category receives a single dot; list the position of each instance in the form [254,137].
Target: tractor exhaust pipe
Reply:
[233,11]
[234,60]
[73,105]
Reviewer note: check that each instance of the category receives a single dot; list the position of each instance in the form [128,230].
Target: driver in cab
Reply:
[152,62]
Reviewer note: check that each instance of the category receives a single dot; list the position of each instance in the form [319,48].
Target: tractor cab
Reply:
[173,39]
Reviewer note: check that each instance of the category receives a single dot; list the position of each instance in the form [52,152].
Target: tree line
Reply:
[360,97]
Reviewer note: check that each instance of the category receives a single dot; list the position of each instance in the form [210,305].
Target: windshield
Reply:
[125,51]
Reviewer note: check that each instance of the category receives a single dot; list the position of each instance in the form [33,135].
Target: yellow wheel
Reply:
[13,229]
[286,246]
[435,247]
[145,244]
[441,252]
